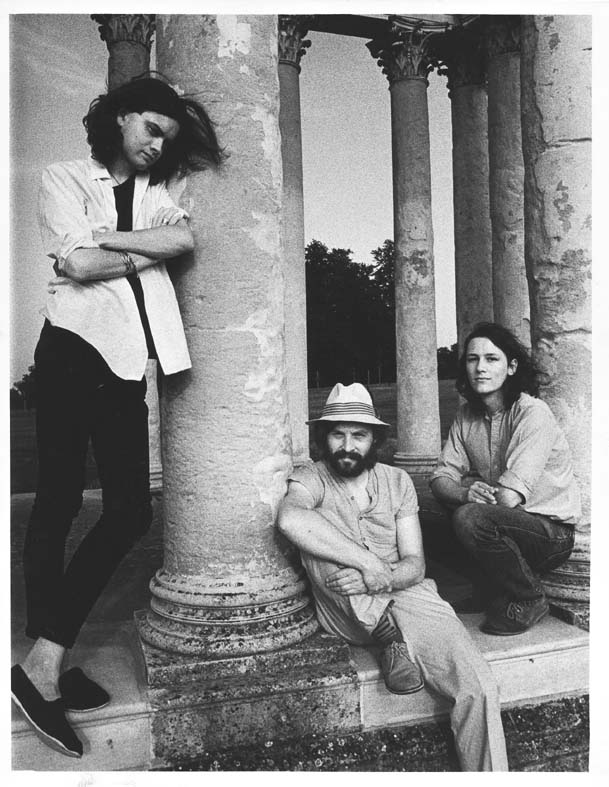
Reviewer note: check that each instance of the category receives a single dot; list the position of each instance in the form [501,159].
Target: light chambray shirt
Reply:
[76,199]
[522,448]
[392,496]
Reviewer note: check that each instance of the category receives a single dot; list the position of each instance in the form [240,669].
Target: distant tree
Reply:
[26,389]
[383,273]
[448,359]
[345,315]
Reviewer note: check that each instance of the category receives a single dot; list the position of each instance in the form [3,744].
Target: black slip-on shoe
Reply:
[46,716]
[79,693]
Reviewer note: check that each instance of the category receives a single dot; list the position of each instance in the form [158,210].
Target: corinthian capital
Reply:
[502,35]
[137,28]
[460,54]
[404,54]
[291,32]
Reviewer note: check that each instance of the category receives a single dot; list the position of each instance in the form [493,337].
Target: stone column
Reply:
[462,56]
[404,59]
[228,585]
[556,124]
[292,47]
[129,40]
[506,175]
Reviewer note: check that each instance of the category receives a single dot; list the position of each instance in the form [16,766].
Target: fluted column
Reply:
[129,40]
[506,175]
[556,125]
[292,47]
[229,585]
[463,61]
[404,59]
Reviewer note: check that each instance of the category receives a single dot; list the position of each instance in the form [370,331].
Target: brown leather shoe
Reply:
[401,674]
[516,617]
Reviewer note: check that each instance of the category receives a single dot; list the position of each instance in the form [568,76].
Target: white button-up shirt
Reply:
[75,200]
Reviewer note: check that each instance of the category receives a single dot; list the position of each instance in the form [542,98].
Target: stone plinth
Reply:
[506,176]
[230,585]
[291,49]
[556,130]
[201,708]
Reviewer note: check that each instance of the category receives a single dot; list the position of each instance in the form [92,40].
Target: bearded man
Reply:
[355,522]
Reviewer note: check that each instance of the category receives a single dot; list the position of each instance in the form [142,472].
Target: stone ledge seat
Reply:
[550,661]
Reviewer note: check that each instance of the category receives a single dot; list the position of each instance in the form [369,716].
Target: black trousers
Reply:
[80,398]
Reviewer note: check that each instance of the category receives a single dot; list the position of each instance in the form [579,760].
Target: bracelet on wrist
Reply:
[129,264]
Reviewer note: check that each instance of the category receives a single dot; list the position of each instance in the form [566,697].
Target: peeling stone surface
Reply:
[418,424]
[226,446]
[556,111]
[506,182]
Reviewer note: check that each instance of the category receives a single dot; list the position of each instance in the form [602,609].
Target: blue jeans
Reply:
[512,547]
[79,398]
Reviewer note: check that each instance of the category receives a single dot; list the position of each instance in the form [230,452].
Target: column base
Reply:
[419,468]
[568,586]
[195,617]
[202,706]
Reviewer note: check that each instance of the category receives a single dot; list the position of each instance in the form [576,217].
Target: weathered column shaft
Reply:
[556,113]
[228,585]
[291,49]
[506,177]
[472,224]
[418,421]
[128,38]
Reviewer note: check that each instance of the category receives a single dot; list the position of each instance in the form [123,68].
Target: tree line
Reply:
[350,323]
[351,318]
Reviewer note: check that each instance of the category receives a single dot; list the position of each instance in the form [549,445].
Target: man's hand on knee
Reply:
[346,582]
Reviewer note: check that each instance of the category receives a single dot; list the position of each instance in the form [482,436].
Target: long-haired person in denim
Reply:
[505,471]
[110,226]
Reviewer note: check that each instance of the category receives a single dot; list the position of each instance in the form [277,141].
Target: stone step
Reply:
[549,661]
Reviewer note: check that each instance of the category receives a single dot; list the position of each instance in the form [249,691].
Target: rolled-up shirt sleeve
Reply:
[62,216]
[454,461]
[165,200]
[527,453]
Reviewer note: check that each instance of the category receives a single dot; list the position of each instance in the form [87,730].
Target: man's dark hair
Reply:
[524,379]
[194,148]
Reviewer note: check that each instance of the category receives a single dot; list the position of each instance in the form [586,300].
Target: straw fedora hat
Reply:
[349,403]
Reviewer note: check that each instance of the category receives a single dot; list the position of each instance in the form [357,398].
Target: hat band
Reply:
[348,408]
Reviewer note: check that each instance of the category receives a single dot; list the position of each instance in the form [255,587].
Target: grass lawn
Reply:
[23,431]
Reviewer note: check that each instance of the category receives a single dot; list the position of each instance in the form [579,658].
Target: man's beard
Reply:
[359,462]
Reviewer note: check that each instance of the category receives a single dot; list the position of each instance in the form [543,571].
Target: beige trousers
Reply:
[437,640]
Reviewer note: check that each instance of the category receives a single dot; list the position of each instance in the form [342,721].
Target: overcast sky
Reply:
[58,63]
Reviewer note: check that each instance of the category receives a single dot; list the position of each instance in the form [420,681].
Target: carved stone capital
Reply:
[502,35]
[404,54]
[460,56]
[137,28]
[290,39]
